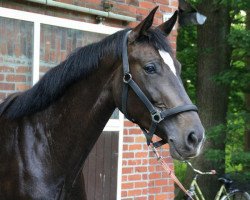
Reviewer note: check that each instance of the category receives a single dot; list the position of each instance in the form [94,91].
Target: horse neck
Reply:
[78,118]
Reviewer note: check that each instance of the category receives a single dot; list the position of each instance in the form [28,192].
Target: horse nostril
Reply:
[192,139]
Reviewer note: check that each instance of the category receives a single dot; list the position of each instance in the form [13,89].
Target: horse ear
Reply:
[167,26]
[142,28]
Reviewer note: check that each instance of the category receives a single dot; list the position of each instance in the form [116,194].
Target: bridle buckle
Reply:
[127,77]
[156,117]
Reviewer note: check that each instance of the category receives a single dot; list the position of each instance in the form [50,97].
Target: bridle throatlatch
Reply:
[156,115]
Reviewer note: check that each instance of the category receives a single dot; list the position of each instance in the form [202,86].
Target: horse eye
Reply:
[150,68]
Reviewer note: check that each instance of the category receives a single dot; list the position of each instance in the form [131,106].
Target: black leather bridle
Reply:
[156,115]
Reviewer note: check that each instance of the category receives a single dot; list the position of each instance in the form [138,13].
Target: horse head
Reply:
[156,72]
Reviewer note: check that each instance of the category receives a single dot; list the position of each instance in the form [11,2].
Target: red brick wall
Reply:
[142,177]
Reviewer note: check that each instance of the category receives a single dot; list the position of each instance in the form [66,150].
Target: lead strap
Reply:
[169,171]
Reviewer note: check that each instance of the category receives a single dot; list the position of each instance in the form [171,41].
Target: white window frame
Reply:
[38,19]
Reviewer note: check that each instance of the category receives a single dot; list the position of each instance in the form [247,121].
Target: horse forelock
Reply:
[79,65]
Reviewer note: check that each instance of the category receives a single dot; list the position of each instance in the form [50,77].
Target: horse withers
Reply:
[48,131]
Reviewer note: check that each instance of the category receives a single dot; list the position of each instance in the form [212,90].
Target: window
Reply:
[32,43]
[16,54]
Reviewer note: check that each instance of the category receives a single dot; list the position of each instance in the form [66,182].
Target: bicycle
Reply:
[224,193]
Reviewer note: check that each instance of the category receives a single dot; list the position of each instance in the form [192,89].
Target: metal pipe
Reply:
[84,10]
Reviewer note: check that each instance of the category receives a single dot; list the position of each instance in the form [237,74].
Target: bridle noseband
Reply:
[156,115]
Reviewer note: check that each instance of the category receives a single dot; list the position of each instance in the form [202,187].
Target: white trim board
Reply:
[56,21]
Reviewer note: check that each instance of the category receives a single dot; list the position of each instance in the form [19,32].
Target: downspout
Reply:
[84,10]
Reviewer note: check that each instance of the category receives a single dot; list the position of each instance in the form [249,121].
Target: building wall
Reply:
[142,177]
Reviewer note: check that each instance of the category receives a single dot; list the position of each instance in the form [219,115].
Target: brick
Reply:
[127,170]
[141,184]
[128,8]
[124,178]
[166,154]
[164,2]
[159,18]
[167,188]
[7,86]
[161,197]
[134,177]
[148,5]
[140,139]
[134,192]
[145,161]
[166,9]
[158,168]
[125,132]
[124,162]
[135,147]
[134,162]
[145,191]
[128,139]
[141,198]
[135,131]
[1,77]
[142,11]
[151,183]
[145,147]
[23,69]
[154,176]
[151,197]
[141,155]
[141,169]
[124,194]
[128,155]
[15,78]
[151,168]
[22,87]
[161,182]
[125,147]
[154,190]
[144,176]
[152,161]
[6,69]
[170,196]
[127,186]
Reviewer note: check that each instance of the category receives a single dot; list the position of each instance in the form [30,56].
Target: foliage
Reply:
[237,78]
[187,54]
[180,169]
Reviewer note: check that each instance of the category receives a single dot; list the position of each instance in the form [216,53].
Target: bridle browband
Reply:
[156,115]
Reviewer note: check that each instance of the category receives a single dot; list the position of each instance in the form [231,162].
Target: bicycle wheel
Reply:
[236,195]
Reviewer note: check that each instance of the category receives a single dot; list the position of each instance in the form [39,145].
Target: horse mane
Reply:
[79,65]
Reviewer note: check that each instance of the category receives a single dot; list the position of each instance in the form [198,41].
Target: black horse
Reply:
[47,132]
